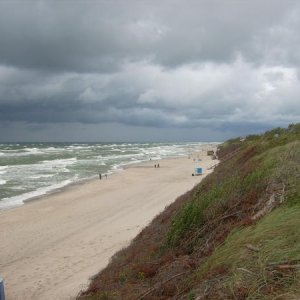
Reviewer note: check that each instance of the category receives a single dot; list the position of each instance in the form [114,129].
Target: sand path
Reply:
[50,248]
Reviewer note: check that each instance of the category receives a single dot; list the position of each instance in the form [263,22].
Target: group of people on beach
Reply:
[156,166]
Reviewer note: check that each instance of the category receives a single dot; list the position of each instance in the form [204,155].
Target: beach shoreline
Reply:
[30,170]
[63,238]
[89,180]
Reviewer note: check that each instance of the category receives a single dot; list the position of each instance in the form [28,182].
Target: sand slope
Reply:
[50,248]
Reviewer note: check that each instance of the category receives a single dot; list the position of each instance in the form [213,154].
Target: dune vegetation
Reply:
[234,236]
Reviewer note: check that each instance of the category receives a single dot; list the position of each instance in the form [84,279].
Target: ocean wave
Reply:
[3,169]
[20,199]
[121,156]
[100,161]
[33,150]
[44,166]
[52,149]
[27,152]
[41,176]
[117,150]
[60,162]
[78,148]
[120,166]
[2,181]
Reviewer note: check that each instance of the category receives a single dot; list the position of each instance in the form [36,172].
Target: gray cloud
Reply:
[230,66]
[101,35]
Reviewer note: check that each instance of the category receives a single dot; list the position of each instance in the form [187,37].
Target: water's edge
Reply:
[54,169]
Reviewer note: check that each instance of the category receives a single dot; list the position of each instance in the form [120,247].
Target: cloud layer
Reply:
[220,65]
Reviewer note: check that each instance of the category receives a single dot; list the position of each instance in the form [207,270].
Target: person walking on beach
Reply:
[106,176]
[100,176]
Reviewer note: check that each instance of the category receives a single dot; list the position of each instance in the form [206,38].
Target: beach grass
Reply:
[234,236]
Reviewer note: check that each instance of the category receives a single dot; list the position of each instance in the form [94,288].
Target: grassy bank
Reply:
[234,236]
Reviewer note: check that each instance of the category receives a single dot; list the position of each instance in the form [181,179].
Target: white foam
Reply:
[27,153]
[41,176]
[78,147]
[3,169]
[57,165]
[33,150]
[50,148]
[59,162]
[19,200]
[100,161]
[124,156]
[2,181]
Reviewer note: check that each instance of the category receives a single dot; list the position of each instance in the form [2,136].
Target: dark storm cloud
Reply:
[231,66]
[88,36]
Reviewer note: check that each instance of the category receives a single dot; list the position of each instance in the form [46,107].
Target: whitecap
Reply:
[3,169]
[20,199]
[41,176]
[60,162]
[34,150]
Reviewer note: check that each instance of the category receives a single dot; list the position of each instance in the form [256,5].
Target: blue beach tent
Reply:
[198,171]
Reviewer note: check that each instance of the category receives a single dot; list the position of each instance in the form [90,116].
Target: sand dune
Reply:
[50,248]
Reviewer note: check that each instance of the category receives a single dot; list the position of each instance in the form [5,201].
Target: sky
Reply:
[170,70]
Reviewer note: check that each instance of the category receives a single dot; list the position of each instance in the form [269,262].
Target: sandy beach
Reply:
[51,247]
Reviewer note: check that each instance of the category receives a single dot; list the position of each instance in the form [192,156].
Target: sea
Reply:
[30,170]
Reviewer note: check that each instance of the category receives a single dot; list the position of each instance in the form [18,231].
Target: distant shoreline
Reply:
[40,191]
[86,180]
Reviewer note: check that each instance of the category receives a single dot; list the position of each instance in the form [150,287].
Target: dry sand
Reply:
[50,248]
